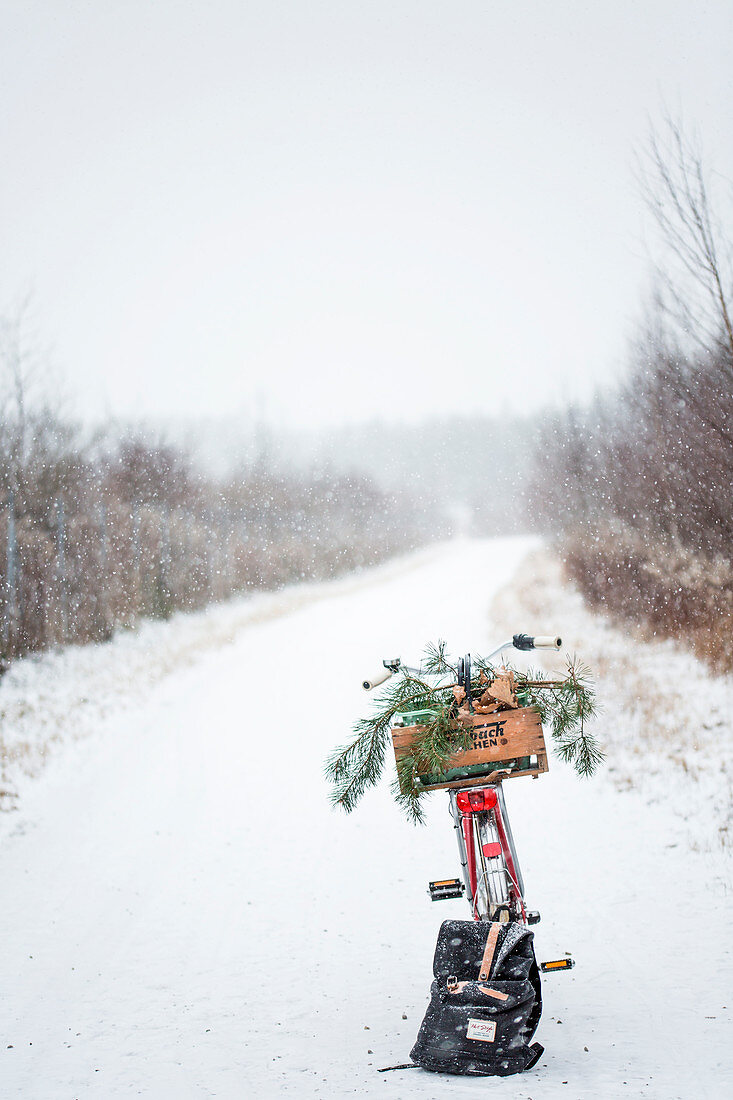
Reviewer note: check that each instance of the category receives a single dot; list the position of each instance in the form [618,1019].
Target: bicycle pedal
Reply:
[446,888]
[558,964]
[533,916]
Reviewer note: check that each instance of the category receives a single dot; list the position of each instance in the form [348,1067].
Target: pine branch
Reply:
[406,789]
[357,766]
[479,666]
[435,662]
[565,705]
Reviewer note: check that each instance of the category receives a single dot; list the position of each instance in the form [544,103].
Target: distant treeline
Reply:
[98,532]
[471,467]
[638,489]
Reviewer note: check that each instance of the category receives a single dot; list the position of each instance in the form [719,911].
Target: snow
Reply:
[665,719]
[49,698]
[185,916]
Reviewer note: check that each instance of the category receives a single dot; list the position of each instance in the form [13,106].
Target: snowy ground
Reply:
[665,720]
[52,698]
[184,916]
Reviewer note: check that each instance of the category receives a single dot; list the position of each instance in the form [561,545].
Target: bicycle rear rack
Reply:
[489,863]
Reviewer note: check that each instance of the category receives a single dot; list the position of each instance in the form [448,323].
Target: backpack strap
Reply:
[454,986]
[489,950]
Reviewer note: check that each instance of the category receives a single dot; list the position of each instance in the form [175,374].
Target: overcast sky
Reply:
[353,209]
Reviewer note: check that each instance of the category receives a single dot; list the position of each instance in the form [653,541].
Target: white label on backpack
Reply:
[485,1030]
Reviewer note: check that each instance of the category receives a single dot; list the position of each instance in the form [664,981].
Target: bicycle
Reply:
[491,878]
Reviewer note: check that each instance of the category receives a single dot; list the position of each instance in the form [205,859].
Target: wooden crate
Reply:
[497,739]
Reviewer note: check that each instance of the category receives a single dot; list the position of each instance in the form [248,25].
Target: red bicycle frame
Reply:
[489,863]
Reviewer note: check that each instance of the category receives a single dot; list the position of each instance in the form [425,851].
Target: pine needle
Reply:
[566,706]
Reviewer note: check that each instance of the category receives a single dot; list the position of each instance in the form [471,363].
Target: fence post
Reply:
[61,567]
[103,531]
[226,536]
[208,561]
[165,595]
[136,535]
[185,570]
[104,555]
[136,604]
[11,601]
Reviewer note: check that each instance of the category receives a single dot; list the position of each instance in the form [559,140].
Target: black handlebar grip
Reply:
[540,641]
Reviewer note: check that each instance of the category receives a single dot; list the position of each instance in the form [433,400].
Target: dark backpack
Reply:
[485,1001]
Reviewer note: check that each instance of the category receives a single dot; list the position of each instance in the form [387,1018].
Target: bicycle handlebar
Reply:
[519,641]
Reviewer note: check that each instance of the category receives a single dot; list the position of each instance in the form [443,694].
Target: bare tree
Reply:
[675,187]
[643,511]
[694,290]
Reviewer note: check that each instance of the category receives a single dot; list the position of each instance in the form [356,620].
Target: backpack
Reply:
[485,1001]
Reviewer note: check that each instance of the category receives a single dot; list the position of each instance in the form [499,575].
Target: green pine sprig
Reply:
[357,766]
[564,705]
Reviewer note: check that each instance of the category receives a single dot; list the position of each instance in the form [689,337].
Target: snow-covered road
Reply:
[183,915]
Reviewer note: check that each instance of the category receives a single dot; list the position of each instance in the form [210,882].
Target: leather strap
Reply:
[494,993]
[458,987]
[489,951]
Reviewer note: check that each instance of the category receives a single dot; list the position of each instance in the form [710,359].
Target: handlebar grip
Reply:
[377,679]
[542,641]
